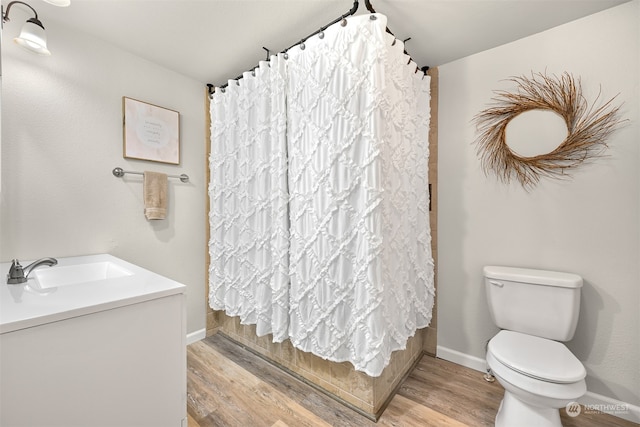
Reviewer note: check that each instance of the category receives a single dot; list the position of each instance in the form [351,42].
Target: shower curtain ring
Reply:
[321,35]
[343,22]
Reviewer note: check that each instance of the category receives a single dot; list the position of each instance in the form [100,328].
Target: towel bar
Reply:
[119,172]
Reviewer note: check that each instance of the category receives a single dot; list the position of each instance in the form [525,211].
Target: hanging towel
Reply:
[155,195]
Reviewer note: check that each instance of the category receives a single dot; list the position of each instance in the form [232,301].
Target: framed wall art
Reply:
[150,132]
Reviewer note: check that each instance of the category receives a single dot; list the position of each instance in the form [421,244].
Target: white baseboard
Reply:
[591,401]
[597,402]
[196,336]
[461,358]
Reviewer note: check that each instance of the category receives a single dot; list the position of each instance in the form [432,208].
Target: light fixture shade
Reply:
[33,38]
[62,3]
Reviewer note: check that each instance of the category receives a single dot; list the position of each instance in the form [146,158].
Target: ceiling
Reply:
[214,40]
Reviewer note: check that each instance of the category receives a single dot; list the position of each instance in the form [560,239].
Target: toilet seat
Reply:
[538,389]
[540,392]
[537,358]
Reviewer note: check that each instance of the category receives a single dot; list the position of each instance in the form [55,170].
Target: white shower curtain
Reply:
[360,265]
[249,245]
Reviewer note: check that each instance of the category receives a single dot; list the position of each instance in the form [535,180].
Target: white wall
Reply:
[61,138]
[589,225]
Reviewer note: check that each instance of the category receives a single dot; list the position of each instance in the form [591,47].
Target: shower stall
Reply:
[320,242]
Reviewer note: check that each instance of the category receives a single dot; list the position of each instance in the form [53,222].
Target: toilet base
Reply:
[515,412]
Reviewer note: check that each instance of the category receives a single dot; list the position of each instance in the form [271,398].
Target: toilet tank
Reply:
[535,302]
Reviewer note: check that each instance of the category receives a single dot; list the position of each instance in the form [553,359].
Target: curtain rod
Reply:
[351,11]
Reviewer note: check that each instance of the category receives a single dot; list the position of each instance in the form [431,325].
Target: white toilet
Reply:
[536,310]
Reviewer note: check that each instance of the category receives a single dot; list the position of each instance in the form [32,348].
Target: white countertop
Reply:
[26,305]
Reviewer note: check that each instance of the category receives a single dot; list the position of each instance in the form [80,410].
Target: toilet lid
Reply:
[536,357]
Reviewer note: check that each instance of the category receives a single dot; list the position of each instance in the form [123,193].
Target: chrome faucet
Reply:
[18,275]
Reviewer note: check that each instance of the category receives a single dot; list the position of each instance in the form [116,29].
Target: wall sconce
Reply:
[32,36]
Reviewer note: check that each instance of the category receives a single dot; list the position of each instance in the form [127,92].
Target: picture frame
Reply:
[150,132]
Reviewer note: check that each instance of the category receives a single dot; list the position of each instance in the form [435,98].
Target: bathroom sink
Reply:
[51,277]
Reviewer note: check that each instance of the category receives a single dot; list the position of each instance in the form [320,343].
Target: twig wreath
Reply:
[588,127]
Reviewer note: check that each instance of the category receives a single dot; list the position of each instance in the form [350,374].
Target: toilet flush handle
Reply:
[498,284]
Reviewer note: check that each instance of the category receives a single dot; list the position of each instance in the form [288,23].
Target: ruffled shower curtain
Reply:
[349,227]
[249,218]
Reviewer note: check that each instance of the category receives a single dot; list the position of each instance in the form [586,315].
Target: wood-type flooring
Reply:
[229,386]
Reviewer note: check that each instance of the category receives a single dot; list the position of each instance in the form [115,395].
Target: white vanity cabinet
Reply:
[119,360]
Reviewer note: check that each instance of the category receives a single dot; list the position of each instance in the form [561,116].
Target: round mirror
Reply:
[535,132]
[544,128]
